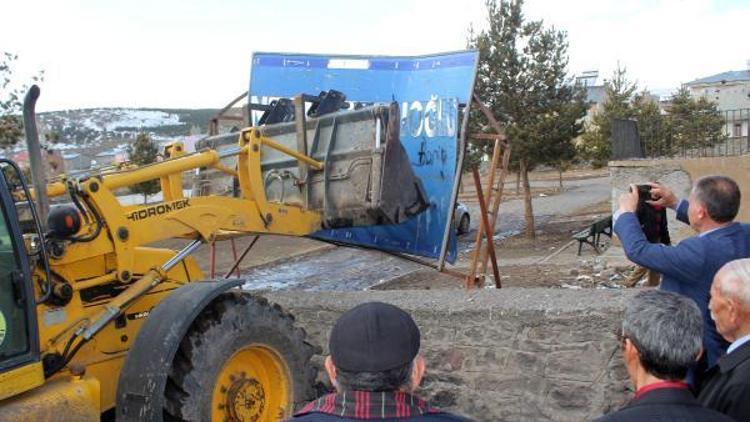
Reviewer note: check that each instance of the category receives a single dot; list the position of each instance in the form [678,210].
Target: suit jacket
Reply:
[689,267]
[665,405]
[727,385]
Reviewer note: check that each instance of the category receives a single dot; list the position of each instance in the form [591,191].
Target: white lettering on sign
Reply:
[436,117]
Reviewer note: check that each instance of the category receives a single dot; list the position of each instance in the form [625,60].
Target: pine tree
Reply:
[144,151]
[596,144]
[651,124]
[11,127]
[522,77]
[694,124]
[560,128]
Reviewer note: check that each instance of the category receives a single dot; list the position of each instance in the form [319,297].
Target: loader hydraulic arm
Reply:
[203,219]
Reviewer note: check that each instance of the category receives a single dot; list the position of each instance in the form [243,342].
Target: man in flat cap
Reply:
[375,367]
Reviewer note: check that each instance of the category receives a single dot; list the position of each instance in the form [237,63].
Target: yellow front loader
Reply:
[95,321]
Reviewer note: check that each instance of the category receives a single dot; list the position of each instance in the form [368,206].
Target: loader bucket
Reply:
[367,177]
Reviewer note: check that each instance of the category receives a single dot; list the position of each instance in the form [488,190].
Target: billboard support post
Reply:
[488,231]
[494,192]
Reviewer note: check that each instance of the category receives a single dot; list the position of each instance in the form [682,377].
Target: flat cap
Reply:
[373,337]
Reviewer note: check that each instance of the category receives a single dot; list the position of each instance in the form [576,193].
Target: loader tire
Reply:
[242,360]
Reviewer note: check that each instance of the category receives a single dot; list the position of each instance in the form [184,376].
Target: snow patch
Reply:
[112,120]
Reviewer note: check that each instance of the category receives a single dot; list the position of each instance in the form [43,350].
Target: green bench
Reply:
[591,235]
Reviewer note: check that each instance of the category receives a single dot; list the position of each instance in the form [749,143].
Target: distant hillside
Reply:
[92,126]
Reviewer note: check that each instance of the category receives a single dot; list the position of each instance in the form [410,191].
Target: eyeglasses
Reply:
[620,335]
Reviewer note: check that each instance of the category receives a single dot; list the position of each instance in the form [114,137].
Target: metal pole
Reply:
[300,127]
[234,255]
[212,267]
[38,175]
[237,262]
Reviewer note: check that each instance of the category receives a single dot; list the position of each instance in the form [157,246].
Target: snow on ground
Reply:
[111,120]
[62,146]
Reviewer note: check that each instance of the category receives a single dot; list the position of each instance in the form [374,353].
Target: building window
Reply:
[737,130]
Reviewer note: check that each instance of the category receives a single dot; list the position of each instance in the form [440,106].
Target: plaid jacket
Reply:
[366,405]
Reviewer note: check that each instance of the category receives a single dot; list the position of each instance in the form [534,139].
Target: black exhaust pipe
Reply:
[38,176]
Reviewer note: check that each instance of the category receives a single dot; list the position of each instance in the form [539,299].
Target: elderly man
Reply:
[660,338]
[375,368]
[727,385]
[689,267]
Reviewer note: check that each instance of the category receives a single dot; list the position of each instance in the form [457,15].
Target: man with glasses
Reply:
[661,337]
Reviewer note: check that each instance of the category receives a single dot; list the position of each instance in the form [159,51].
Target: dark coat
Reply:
[727,385]
[665,405]
[689,267]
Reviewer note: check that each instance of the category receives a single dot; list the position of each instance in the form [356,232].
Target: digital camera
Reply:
[644,192]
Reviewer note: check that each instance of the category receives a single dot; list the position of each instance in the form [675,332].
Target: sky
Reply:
[196,54]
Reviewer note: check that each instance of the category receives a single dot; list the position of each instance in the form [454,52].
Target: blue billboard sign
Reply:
[428,89]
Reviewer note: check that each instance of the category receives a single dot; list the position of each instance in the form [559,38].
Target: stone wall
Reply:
[501,355]
[679,174]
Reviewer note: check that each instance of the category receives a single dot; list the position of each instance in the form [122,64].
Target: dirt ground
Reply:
[542,183]
[519,259]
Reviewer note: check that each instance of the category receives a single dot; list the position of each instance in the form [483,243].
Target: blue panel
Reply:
[428,90]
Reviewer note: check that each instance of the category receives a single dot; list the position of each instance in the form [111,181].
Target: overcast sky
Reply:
[190,53]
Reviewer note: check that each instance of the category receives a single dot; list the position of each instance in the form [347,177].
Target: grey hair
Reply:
[390,380]
[720,195]
[666,329]
[734,281]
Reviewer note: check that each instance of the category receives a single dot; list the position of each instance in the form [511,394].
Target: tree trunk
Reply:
[528,210]
[145,198]
[559,173]
[518,182]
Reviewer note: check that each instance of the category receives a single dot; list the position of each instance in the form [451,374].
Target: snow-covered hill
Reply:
[112,120]
[91,126]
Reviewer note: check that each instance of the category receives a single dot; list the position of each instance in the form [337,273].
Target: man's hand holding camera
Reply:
[662,195]
[652,193]
[629,200]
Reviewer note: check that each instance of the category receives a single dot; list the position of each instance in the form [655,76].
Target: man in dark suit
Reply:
[661,337]
[689,267]
[727,385]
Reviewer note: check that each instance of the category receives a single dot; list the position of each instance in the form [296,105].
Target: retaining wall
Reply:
[501,355]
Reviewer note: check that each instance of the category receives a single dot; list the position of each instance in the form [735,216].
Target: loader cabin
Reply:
[20,366]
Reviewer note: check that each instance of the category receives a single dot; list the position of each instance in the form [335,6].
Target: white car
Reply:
[461,219]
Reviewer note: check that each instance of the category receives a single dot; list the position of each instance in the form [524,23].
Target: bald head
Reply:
[733,281]
[730,300]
